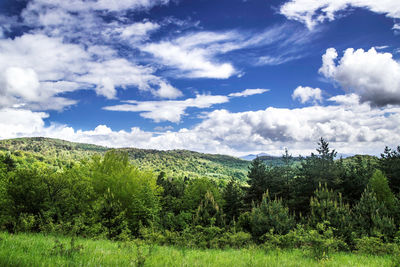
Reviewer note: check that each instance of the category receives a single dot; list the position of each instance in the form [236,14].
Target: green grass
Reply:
[38,250]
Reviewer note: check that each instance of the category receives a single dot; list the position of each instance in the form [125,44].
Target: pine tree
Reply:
[233,201]
[257,181]
[270,215]
[327,205]
[390,165]
[371,216]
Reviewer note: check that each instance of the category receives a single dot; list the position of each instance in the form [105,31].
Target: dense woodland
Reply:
[319,203]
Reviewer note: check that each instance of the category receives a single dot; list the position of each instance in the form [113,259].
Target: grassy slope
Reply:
[173,162]
[37,250]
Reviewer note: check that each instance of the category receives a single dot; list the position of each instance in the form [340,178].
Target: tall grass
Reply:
[42,250]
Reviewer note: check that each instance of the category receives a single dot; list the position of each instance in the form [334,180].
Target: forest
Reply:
[319,204]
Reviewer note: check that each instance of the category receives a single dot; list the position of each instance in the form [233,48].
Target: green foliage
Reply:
[270,215]
[233,201]
[375,246]
[178,163]
[328,206]
[133,193]
[209,213]
[195,193]
[318,242]
[321,242]
[315,170]
[356,172]
[113,195]
[390,165]
[371,217]
[380,186]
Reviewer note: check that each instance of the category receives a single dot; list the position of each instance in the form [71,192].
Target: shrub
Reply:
[270,215]
[375,246]
[320,242]
[328,206]
[371,217]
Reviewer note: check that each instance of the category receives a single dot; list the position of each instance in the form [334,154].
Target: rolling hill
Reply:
[173,162]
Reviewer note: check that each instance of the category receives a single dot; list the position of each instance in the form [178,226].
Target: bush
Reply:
[371,217]
[270,215]
[329,206]
[317,243]
[320,242]
[375,246]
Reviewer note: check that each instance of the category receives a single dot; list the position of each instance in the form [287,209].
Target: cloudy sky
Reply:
[219,76]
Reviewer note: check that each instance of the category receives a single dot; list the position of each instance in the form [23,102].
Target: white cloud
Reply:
[163,129]
[198,54]
[249,92]
[35,70]
[312,12]
[307,94]
[100,5]
[138,29]
[193,55]
[170,110]
[374,76]
[173,110]
[350,128]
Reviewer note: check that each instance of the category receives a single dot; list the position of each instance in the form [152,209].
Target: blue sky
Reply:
[228,76]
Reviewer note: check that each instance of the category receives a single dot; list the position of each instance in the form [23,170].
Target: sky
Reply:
[232,77]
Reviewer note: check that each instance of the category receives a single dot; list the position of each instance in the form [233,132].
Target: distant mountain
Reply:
[173,162]
[253,156]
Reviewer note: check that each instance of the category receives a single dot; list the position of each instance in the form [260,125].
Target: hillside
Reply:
[173,162]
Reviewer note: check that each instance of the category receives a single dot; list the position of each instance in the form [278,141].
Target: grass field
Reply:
[41,250]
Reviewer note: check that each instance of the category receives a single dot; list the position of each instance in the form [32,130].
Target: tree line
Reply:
[335,204]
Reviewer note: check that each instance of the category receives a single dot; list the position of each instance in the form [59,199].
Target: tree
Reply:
[209,213]
[112,216]
[257,175]
[390,165]
[371,216]
[327,205]
[355,175]
[233,201]
[379,185]
[317,169]
[137,191]
[270,215]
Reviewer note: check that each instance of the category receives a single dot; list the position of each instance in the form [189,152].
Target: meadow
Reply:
[47,250]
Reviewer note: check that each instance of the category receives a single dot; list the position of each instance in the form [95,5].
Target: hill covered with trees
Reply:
[173,162]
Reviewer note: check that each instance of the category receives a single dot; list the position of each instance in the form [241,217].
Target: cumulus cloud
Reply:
[372,75]
[311,12]
[350,128]
[36,69]
[307,94]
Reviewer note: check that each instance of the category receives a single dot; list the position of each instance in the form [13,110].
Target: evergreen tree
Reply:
[233,201]
[317,169]
[355,177]
[257,181]
[371,216]
[390,165]
[209,213]
[270,215]
[327,205]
